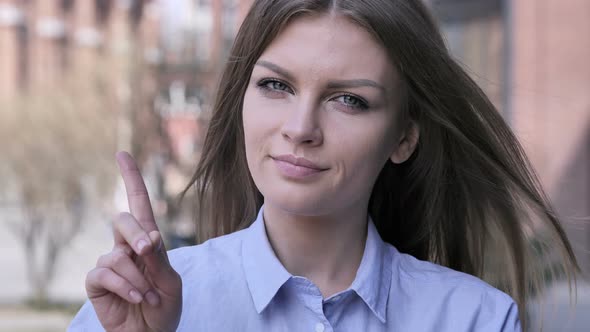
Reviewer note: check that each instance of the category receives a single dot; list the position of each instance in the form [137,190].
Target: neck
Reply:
[324,249]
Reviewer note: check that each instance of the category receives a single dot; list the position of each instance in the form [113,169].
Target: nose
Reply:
[302,126]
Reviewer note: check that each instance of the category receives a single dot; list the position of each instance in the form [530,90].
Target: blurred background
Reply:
[82,79]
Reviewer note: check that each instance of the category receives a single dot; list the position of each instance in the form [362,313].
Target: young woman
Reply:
[349,159]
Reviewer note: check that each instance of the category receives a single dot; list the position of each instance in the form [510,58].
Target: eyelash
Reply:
[263,85]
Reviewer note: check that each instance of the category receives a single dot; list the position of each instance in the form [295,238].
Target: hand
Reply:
[134,288]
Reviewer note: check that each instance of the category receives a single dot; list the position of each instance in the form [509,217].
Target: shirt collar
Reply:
[373,277]
[265,274]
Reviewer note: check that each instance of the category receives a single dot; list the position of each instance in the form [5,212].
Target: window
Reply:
[476,33]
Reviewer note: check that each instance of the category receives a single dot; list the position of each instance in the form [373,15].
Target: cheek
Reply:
[359,153]
[366,148]
[248,114]
[251,131]
[259,126]
[252,119]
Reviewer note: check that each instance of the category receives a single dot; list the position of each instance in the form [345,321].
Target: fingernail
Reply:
[141,244]
[135,296]
[152,298]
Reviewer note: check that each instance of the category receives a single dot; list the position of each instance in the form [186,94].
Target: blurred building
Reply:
[156,71]
[531,58]
[41,40]
[526,55]
[44,42]
[550,105]
[196,44]
[110,48]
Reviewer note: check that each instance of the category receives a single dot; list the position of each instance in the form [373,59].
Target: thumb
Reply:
[157,242]
[156,262]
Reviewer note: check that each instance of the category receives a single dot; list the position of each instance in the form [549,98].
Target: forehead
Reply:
[330,45]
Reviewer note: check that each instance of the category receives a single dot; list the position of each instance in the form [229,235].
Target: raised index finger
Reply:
[137,194]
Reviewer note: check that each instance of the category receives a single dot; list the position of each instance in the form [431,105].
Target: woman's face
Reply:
[320,116]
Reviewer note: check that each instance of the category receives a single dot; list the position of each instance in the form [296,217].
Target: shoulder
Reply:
[425,273]
[452,296]
[212,270]
[212,256]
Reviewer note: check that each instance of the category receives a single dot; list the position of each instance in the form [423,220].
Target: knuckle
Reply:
[118,258]
[102,260]
[100,275]
[122,215]
[138,193]
[120,284]
[141,283]
[121,218]
[175,277]
[124,249]
[90,278]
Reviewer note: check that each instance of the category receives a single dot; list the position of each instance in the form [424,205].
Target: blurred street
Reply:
[27,320]
[79,258]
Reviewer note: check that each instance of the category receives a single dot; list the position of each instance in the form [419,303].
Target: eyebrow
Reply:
[277,69]
[340,84]
[355,84]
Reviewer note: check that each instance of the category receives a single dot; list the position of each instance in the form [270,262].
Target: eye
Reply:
[352,102]
[273,85]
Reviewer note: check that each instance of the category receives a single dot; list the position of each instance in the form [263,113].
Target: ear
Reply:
[407,143]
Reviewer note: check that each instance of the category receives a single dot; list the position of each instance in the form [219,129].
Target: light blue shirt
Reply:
[236,283]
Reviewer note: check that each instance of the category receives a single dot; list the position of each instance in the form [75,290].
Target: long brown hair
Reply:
[467,198]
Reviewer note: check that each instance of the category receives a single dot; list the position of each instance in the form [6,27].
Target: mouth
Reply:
[298,161]
[296,167]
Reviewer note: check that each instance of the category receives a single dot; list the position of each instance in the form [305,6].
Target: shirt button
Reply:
[319,327]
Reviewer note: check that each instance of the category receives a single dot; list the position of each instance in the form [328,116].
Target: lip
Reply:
[296,167]
[297,161]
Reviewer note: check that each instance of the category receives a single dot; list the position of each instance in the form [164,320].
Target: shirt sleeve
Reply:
[496,312]
[85,320]
[512,321]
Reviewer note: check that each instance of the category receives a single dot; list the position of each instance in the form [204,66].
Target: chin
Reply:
[299,203]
